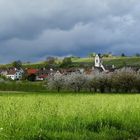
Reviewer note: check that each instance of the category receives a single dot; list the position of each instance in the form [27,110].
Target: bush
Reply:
[21,86]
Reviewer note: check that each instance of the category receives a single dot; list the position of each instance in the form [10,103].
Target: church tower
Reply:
[98,62]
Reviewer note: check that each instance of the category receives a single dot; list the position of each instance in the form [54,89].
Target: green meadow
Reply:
[51,116]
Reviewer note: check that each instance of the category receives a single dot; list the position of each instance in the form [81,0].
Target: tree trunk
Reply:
[58,90]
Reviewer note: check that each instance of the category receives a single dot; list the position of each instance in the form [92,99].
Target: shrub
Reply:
[21,86]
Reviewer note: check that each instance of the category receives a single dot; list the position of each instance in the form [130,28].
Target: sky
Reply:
[31,30]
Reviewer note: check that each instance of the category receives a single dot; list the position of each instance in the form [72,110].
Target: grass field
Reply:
[25,116]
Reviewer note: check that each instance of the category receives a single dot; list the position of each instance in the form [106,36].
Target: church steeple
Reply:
[98,62]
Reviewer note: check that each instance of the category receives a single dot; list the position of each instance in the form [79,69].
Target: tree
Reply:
[123,55]
[66,62]
[50,60]
[137,55]
[31,77]
[91,55]
[3,77]
[137,81]
[17,64]
[25,76]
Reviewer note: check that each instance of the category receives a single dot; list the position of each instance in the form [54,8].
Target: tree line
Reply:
[124,80]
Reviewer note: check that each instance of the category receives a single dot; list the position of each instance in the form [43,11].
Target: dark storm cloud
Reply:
[31,30]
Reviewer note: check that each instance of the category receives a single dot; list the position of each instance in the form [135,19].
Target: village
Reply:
[42,74]
[69,70]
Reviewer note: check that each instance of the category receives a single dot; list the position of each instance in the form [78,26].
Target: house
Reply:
[38,74]
[31,71]
[41,77]
[42,74]
[15,74]
[71,70]
[31,74]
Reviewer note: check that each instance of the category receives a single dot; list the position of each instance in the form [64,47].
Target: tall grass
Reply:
[61,116]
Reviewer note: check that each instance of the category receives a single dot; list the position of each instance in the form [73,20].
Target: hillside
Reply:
[89,62]
[117,61]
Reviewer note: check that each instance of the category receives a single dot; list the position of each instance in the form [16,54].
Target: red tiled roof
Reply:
[43,76]
[32,71]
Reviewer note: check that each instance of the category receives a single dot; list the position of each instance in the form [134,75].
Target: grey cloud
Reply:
[31,30]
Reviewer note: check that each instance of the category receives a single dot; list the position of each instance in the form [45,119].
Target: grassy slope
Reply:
[59,116]
[117,61]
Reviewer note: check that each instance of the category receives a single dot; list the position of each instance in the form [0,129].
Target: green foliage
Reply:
[137,81]
[31,77]
[123,55]
[21,86]
[3,77]
[17,64]
[69,117]
[90,55]
[50,60]
[137,55]
[107,55]
[66,62]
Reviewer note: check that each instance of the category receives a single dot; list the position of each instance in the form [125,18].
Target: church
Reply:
[99,63]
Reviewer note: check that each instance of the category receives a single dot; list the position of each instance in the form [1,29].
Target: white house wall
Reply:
[17,75]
